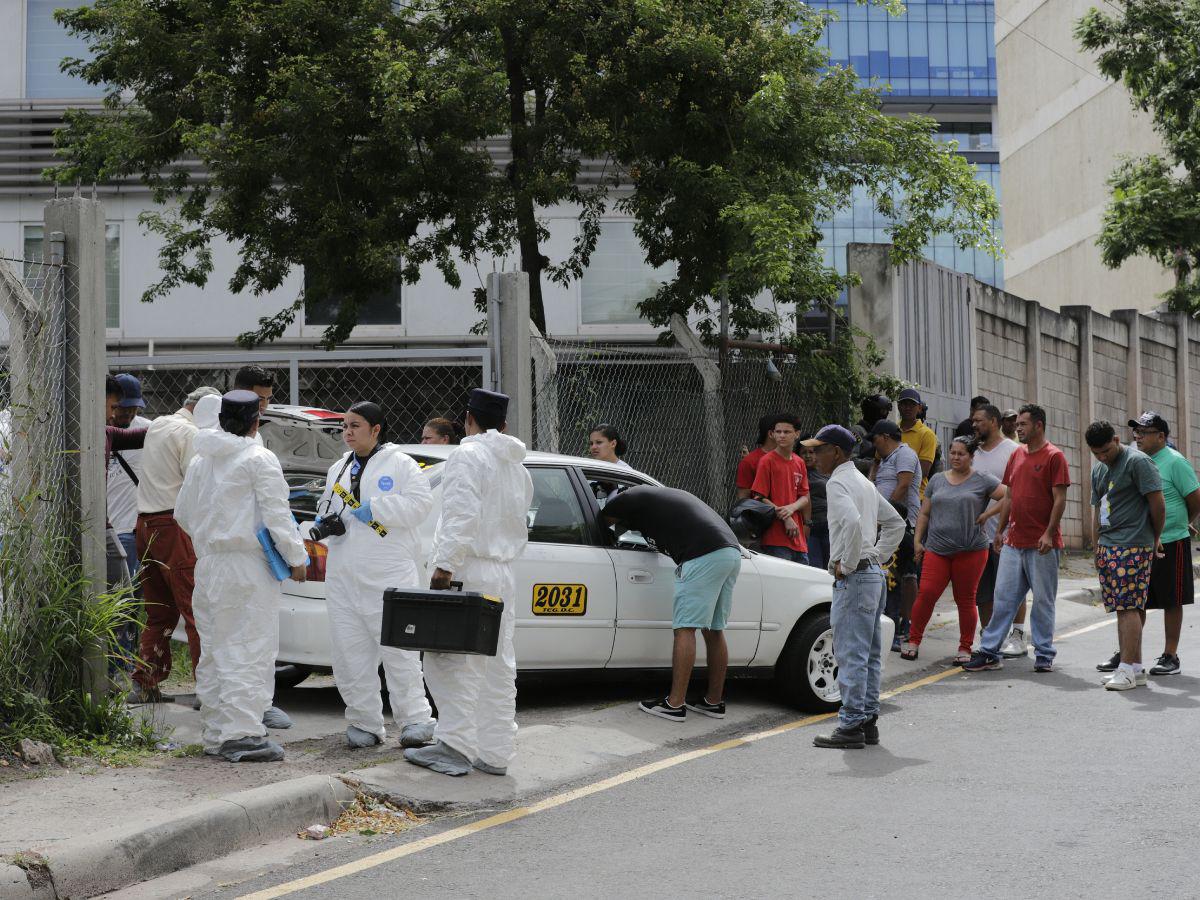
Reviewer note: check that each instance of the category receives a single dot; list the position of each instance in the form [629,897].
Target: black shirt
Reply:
[681,525]
[966,428]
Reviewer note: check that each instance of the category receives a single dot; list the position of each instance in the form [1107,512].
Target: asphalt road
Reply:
[1002,784]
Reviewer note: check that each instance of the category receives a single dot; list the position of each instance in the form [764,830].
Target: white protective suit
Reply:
[231,489]
[486,494]
[360,567]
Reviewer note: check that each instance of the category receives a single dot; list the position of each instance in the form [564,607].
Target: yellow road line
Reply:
[520,812]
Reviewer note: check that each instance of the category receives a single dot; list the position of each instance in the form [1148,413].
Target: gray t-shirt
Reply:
[993,462]
[953,509]
[902,459]
[1120,492]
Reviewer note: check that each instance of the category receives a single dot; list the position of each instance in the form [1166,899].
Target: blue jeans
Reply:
[858,599]
[818,545]
[129,542]
[787,553]
[1018,572]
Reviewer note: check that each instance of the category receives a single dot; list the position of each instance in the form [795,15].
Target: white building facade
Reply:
[33,97]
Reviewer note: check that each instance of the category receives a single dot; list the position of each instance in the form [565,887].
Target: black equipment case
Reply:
[444,621]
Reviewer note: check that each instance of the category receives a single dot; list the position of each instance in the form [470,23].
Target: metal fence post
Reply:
[545,375]
[511,293]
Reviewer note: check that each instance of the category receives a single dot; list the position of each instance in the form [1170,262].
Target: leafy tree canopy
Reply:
[344,136]
[1153,48]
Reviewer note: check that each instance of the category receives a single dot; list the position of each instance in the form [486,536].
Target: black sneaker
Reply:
[702,706]
[842,739]
[1110,664]
[664,710]
[1168,664]
[982,662]
[871,731]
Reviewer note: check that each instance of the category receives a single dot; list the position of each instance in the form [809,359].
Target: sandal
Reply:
[962,659]
[909,651]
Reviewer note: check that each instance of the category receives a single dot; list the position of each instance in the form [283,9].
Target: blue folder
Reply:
[279,567]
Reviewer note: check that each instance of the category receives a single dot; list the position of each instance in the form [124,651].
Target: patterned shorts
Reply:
[1124,576]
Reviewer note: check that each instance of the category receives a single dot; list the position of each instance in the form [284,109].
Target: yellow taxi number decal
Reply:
[559,599]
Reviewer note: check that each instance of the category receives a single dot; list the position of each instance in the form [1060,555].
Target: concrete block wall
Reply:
[1079,365]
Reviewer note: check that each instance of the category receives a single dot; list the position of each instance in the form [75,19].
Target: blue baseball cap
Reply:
[909,394]
[131,392]
[835,435]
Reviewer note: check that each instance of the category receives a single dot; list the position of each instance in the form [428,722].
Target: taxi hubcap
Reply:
[822,668]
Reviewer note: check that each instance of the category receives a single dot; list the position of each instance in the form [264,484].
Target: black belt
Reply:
[863,565]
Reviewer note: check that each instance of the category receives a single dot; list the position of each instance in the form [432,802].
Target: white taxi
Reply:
[585,600]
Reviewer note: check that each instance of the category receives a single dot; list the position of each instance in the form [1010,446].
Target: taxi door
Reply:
[565,582]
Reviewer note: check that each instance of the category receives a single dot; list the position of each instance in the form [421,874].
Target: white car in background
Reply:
[585,600]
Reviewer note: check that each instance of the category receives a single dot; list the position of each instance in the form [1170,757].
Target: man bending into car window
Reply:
[709,559]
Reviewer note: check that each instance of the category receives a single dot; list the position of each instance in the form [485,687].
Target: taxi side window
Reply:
[555,516]
[604,487]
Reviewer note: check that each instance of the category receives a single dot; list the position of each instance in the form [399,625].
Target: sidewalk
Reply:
[97,830]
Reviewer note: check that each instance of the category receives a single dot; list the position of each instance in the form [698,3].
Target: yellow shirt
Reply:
[924,443]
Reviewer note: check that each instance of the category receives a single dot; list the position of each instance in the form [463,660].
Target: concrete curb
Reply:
[215,828]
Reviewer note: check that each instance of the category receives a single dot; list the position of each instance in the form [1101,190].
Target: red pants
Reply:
[964,571]
[167,578]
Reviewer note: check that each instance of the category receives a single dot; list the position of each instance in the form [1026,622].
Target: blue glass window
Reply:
[937,48]
[46,44]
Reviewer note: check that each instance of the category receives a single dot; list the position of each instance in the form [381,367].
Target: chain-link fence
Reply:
[411,386]
[686,421]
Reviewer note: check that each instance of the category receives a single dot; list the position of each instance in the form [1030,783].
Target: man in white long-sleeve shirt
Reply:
[863,530]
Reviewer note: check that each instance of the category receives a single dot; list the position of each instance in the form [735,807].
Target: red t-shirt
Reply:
[782,481]
[747,466]
[1030,478]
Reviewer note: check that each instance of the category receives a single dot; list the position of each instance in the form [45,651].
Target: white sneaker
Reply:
[1140,679]
[1016,645]
[1120,681]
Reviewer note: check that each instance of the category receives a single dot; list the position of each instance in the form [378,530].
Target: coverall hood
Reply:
[217,443]
[503,446]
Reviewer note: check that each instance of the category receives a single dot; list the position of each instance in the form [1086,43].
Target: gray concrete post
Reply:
[1087,408]
[714,408]
[508,295]
[1033,351]
[874,305]
[545,376]
[1133,377]
[81,223]
[1181,431]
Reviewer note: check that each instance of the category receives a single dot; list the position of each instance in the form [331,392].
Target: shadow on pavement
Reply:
[875,762]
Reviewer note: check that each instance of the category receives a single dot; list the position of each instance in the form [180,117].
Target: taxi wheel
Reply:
[289,675]
[806,674]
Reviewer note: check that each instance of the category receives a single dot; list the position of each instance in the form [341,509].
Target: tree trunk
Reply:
[519,172]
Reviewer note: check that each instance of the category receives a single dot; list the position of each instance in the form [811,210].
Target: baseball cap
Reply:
[886,426]
[1009,414]
[1150,419]
[832,434]
[131,392]
[909,394]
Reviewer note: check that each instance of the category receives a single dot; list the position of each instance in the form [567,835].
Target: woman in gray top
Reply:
[951,545]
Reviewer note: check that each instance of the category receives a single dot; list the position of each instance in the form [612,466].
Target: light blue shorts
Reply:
[704,589]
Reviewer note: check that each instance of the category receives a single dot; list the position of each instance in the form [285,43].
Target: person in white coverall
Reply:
[232,488]
[379,548]
[483,527]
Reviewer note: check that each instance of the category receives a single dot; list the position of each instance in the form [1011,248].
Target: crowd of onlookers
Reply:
[983,515]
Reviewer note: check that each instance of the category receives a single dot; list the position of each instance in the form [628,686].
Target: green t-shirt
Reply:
[1178,480]
[1120,491]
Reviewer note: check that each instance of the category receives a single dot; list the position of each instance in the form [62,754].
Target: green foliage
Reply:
[1153,48]
[345,136]
[838,374]
[49,625]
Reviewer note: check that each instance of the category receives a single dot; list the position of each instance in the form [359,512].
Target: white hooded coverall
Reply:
[360,567]
[486,494]
[232,488]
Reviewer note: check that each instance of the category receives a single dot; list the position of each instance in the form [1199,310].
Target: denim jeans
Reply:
[786,553]
[858,599]
[1018,572]
[818,545]
[129,541]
